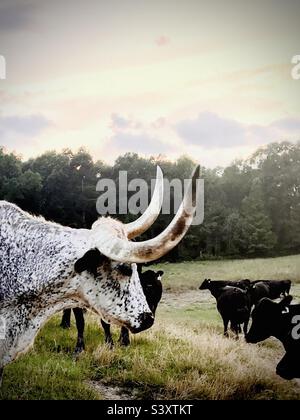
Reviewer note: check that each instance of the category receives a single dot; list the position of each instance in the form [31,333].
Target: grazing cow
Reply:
[46,267]
[278,320]
[233,305]
[241,284]
[152,288]
[277,288]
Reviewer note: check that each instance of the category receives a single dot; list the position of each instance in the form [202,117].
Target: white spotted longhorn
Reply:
[46,267]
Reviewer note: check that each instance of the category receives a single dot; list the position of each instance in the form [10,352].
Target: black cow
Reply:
[152,288]
[258,291]
[233,304]
[241,284]
[279,320]
[277,288]
[80,324]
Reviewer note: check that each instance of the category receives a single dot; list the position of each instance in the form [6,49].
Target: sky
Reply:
[208,79]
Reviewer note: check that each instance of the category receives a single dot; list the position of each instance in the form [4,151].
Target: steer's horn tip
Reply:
[195,177]
[159,172]
[196,172]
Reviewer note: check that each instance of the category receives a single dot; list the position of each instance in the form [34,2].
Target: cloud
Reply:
[26,126]
[119,122]
[211,131]
[21,133]
[162,41]
[129,134]
[290,124]
[15,15]
[139,143]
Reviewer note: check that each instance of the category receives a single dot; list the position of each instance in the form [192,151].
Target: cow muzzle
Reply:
[145,320]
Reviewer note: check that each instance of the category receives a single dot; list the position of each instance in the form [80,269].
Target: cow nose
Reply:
[146,321]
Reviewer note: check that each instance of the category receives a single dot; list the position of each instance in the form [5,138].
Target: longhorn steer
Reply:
[46,267]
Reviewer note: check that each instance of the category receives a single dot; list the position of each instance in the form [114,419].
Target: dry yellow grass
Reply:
[184,356]
[174,362]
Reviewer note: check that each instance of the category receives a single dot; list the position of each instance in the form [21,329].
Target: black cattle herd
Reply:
[237,302]
[235,299]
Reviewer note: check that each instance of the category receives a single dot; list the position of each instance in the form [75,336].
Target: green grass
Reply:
[184,356]
[187,275]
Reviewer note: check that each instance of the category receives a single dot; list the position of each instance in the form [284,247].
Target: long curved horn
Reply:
[140,252]
[139,226]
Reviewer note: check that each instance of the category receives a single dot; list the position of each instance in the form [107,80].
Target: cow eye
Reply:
[125,269]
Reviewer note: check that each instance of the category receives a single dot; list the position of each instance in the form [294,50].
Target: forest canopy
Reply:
[252,207]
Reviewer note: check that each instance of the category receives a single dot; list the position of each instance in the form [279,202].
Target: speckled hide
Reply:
[45,267]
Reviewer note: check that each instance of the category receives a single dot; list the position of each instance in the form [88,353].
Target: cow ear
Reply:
[160,273]
[91,260]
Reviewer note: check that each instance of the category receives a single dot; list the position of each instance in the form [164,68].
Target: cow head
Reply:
[268,319]
[205,285]
[151,278]
[152,287]
[114,291]
[106,277]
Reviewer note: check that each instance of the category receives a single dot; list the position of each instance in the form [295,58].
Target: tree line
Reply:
[252,207]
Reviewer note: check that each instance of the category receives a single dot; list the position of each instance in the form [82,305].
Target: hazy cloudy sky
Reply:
[211,79]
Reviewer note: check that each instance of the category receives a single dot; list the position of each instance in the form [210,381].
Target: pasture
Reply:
[184,356]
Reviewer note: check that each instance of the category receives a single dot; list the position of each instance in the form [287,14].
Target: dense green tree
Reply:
[251,207]
[233,233]
[257,227]
[278,166]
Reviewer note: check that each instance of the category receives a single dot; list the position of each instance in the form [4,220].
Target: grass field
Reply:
[184,356]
